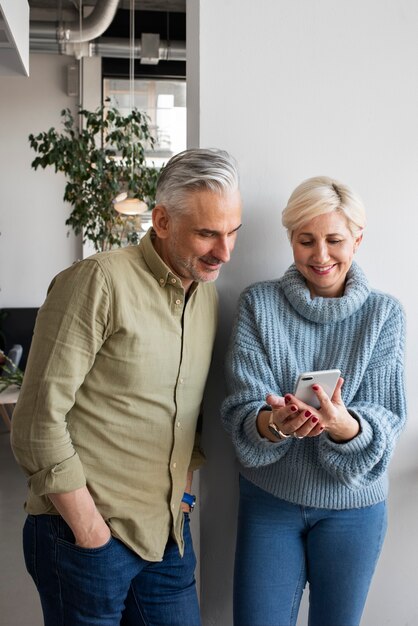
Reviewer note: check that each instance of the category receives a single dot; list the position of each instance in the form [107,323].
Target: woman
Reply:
[313,482]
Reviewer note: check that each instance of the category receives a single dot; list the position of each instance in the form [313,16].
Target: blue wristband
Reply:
[190,500]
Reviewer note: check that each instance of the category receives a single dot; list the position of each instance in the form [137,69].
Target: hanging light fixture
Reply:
[129,206]
[124,203]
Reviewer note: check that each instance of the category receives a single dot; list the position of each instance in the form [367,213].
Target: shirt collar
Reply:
[161,272]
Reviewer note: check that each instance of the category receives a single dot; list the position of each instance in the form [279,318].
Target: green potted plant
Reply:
[103,159]
[10,373]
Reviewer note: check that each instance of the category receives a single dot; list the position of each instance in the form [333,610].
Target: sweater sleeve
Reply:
[249,380]
[70,328]
[380,407]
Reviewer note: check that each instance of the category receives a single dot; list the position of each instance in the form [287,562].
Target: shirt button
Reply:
[172,506]
[178,424]
[174,465]
[161,281]
[173,280]
[181,381]
[178,301]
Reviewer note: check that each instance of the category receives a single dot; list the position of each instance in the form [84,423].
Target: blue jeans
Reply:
[109,585]
[282,546]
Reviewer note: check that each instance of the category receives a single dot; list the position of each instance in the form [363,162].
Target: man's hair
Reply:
[198,169]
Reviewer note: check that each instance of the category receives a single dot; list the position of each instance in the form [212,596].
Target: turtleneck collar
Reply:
[325,310]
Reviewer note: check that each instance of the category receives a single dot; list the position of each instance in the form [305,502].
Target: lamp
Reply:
[129,206]
[123,203]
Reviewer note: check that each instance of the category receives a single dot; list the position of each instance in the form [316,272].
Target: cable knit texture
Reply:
[280,332]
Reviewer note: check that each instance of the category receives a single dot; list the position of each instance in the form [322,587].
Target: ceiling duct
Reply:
[119,48]
[92,26]
[113,47]
[45,37]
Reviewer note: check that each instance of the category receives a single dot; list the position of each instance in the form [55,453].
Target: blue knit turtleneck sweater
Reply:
[280,332]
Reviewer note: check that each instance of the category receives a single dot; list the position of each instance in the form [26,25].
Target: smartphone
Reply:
[326,378]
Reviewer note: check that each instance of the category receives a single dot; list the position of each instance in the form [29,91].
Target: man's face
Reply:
[197,242]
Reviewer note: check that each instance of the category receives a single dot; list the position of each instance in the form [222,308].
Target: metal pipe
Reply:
[118,48]
[114,47]
[92,26]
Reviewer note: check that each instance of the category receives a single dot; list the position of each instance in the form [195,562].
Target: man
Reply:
[106,420]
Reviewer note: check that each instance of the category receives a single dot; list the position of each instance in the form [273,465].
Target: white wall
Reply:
[294,89]
[33,243]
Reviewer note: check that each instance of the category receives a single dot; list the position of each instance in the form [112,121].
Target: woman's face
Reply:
[323,250]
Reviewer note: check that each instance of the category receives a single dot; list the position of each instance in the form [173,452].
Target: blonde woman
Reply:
[313,482]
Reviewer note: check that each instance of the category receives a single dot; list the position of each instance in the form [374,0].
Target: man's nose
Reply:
[222,250]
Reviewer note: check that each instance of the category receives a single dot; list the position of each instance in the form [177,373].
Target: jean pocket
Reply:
[73,546]
[65,537]
[88,577]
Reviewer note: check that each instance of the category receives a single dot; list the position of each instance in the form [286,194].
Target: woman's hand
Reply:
[287,419]
[332,414]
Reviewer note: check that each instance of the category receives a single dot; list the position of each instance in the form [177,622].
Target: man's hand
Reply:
[78,509]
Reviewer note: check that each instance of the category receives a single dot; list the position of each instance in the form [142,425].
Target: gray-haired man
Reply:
[106,420]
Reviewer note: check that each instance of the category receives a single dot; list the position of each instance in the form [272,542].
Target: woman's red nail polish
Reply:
[314,419]
[287,398]
[315,387]
[293,407]
[308,413]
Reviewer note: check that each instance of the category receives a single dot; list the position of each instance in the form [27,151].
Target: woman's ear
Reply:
[160,221]
[357,241]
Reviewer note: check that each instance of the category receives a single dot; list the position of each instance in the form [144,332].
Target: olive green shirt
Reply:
[112,392]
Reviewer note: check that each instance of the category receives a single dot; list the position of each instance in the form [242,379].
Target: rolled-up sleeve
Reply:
[59,478]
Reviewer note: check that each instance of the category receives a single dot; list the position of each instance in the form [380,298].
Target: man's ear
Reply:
[160,221]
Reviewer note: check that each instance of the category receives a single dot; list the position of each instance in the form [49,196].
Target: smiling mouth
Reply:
[322,270]
[213,264]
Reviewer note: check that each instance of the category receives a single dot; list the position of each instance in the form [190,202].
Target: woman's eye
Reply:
[305,243]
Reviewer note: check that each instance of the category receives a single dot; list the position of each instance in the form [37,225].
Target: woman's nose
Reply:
[321,252]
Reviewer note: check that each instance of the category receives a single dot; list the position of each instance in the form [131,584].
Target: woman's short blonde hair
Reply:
[319,195]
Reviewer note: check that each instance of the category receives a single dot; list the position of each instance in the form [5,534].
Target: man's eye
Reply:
[334,241]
